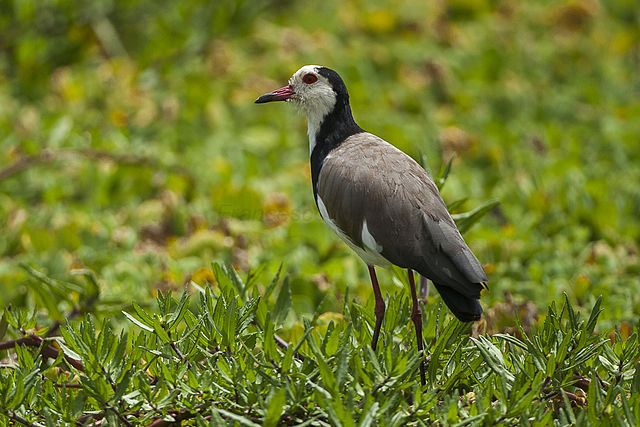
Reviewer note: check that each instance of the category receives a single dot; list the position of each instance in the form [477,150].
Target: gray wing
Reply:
[403,209]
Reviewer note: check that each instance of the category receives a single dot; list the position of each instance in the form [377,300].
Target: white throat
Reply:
[316,106]
[314,121]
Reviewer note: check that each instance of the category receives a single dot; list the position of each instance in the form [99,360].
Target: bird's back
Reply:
[367,179]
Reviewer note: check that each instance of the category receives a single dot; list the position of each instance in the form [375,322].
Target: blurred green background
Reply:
[131,145]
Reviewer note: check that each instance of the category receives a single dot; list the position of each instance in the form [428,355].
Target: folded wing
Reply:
[404,214]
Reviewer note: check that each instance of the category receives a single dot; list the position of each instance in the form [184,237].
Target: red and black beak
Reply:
[281,94]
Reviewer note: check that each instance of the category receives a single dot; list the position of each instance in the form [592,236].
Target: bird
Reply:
[381,202]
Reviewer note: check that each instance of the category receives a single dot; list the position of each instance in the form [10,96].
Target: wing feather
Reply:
[366,178]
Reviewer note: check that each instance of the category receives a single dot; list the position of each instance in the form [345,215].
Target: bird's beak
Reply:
[281,94]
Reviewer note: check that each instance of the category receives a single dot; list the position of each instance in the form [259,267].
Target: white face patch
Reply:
[315,100]
[371,256]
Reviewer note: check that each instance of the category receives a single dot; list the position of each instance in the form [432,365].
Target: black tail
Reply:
[464,308]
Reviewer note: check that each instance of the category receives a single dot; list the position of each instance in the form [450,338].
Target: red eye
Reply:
[309,78]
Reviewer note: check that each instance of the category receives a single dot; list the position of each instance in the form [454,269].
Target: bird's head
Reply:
[313,89]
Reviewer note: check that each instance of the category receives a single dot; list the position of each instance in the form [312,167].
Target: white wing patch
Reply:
[371,254]
[368,240]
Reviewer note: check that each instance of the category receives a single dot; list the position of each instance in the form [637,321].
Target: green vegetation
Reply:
[134,163]
[216,362]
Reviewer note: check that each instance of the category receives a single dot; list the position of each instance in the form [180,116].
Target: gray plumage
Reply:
[366,178]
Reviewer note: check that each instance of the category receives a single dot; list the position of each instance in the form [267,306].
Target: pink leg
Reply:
[416,317]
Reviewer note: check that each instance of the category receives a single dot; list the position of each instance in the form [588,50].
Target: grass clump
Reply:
[215,357]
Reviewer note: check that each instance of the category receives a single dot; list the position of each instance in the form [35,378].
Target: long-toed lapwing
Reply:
[380,201]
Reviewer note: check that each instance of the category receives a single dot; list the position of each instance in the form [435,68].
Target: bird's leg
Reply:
[416,317]
[424,287]
[379,310]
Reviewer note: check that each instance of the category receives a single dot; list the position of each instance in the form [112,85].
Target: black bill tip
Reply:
[267,97]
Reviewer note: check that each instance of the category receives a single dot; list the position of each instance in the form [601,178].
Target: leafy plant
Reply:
[133,158]
[216,359]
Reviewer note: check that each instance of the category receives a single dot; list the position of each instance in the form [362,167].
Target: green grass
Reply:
[133,159]
[211,359]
